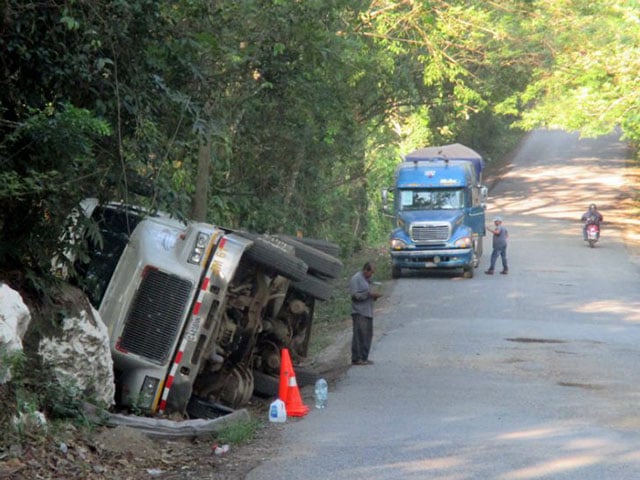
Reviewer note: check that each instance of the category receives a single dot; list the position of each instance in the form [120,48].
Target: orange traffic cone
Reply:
[288,391]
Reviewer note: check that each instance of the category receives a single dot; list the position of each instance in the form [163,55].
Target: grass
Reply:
[238,433]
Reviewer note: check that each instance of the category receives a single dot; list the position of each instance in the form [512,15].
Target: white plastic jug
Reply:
[277,411]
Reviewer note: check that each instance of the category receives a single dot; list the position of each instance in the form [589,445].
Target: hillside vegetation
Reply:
[282,116]
[274,115]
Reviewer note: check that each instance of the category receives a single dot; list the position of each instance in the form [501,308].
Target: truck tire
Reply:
[317,260]
[467,272]
[305,376]
[396,272]
[273,253]
[325,246]
[313,286]
[265,385]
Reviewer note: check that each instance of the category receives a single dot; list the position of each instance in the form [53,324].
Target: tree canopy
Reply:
[277,115]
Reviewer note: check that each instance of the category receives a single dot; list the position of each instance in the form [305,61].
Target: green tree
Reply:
[276,93]
[591,82]
[274,115]
[82,104]
[444,66]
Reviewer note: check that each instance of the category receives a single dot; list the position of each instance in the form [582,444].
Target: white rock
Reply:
[13,310]
[30,421]
[81,356]
[14,321]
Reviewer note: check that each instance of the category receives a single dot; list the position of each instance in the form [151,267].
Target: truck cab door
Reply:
[475,217]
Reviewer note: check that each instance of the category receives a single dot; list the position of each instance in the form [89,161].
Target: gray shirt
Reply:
[500,238]
[361,299]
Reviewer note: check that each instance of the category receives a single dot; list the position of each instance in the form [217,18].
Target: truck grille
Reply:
[430,233]
[155,316]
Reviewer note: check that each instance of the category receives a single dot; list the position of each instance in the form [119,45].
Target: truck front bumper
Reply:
[421,259]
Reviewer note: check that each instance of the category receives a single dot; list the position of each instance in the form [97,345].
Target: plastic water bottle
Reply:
[321,393]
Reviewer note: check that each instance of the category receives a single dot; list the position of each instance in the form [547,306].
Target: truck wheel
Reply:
[325,246]
[314,287]
[274,253]
[475,262]
[396,272]
[467,272]
[318,261]
[269,385]
[265,385]
[305,376]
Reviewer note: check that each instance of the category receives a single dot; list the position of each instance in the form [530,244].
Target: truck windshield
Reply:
[115,227]
[430,199]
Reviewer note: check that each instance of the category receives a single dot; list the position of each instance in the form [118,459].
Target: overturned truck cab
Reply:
[438,210]
[194,310]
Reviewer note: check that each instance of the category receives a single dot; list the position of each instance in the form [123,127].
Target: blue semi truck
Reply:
[439,207]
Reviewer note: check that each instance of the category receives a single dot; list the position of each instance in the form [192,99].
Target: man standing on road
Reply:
[500,236]
[362,298]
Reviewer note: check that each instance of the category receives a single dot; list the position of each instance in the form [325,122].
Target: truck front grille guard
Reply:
[430,233]
[156,315]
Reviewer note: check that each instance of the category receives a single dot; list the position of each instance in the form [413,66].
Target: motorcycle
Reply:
[593,234]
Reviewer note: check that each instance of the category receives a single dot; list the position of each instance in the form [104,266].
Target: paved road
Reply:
[533,375]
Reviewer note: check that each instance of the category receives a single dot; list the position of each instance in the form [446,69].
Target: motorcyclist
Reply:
[591,217]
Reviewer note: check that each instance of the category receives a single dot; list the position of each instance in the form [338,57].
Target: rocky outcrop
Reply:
[77,352]
[14,321]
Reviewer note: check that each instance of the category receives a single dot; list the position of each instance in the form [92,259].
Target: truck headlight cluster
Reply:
[148,392]
[199,248]
[464,242]
[397,244]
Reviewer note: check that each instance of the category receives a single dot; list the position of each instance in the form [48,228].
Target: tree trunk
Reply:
[201,197]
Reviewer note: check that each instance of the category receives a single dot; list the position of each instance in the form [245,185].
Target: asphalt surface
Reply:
[531,375]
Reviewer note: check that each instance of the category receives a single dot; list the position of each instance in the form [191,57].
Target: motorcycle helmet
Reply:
[592,206]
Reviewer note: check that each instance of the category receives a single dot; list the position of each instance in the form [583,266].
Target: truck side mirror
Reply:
[385,200]
[484,194]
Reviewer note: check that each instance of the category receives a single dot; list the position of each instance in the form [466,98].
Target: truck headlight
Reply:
[148,392]
[199,248]
[397,244]
[464,242]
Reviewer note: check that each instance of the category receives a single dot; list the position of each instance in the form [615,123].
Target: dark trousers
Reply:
[362,336]
[502,252]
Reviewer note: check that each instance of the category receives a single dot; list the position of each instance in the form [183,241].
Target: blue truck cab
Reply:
[438,210]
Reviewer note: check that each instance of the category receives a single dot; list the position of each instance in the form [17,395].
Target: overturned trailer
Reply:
[196,311]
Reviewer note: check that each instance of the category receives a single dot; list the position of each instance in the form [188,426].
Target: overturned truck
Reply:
[199,312]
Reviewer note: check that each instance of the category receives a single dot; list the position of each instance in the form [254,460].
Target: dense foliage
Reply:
[590,82]
[276,115]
